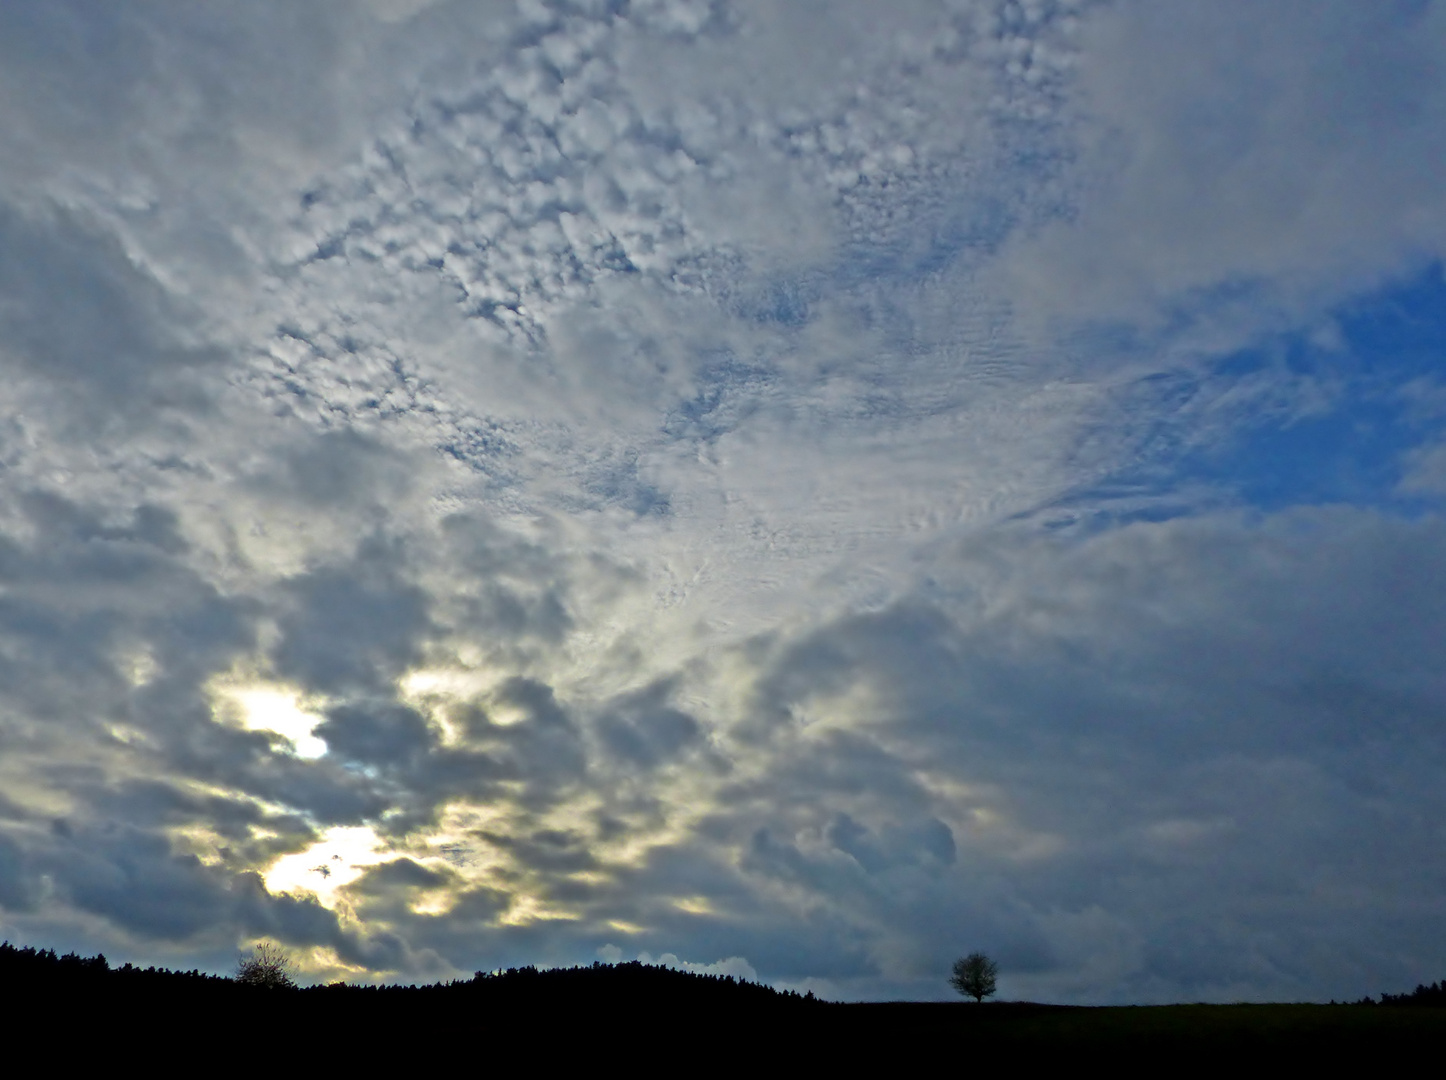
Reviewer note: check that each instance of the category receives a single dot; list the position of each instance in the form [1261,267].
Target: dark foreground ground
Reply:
[651,1020]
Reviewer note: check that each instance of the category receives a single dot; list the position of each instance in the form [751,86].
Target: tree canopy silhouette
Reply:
[268,967]
[974,976]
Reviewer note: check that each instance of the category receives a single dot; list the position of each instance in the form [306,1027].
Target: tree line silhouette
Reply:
[1432,995]
[42,969]
[38,970]
[80,1003]
[602,985]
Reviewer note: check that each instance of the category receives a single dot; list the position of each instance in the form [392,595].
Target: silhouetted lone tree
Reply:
[974,976]
[268,967]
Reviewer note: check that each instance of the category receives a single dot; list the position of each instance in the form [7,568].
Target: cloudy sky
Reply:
[799,489]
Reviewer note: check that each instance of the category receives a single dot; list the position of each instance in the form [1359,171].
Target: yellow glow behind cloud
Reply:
[341,856]
[278,710]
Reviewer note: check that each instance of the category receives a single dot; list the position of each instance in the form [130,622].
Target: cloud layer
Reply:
[804,491]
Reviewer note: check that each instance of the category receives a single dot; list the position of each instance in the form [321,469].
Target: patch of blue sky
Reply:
[1352,454]
[785,302]
[728,388]
[936,239]
[1310,418]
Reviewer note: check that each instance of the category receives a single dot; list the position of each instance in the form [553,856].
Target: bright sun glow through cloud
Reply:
[340,857]
[281,713]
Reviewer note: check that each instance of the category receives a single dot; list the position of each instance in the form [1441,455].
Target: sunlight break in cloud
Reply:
[337,859]
[280,712]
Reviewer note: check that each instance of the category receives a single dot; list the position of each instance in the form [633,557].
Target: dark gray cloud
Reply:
[1084,715]
[100,344]
[352,627]
[644,730]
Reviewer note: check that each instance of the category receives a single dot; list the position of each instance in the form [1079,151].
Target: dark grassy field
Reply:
[1216,1027]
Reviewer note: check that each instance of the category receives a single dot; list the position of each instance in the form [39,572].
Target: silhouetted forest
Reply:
[600,985]
[1432,996]
[524,1005]
[562,1011]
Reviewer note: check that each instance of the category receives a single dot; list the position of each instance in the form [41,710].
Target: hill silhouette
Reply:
[522,1013]
[42,971]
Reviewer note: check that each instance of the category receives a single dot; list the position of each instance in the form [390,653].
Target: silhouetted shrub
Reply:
[268,968]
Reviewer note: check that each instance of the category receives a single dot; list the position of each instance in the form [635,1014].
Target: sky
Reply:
[800,490]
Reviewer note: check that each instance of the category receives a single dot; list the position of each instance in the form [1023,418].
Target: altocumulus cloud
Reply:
[795,490]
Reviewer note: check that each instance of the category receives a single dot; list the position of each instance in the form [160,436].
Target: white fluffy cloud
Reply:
[664,462]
